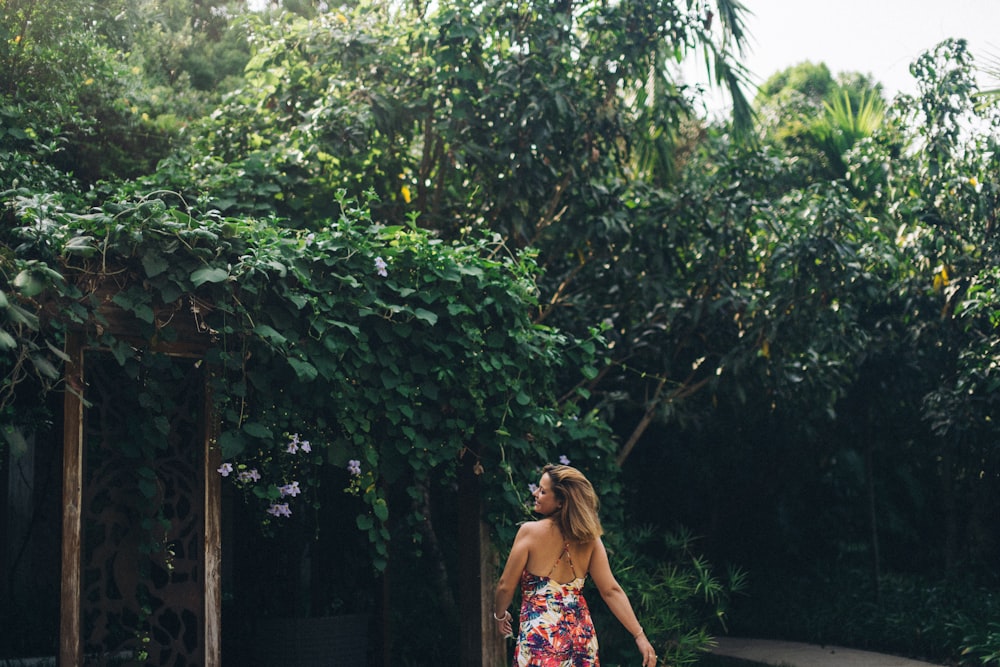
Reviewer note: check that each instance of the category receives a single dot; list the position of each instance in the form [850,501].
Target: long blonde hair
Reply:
[577,519]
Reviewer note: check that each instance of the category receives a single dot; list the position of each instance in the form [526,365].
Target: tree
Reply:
[812,116]
[517,119]
[497,121]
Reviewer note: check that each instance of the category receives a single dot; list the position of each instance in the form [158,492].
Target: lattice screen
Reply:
[142,573]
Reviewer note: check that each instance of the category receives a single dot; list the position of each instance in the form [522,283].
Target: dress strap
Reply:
[569,558]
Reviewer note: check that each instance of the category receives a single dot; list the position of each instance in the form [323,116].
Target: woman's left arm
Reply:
[618,602]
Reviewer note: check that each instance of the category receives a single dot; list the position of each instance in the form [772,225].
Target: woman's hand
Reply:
[504,624]
[645,650]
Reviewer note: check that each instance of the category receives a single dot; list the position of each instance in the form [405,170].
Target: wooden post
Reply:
[494,645]
[70,644]
[480,644]
[212,556]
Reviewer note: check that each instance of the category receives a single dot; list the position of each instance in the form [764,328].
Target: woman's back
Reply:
[551,555]
[549,559]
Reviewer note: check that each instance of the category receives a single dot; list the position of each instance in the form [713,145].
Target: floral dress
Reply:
[556,629]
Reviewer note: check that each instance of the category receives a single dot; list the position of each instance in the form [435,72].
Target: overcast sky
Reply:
[877,37]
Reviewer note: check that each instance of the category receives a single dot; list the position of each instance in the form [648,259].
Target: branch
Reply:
[551,215]
[682,391]
[557,295]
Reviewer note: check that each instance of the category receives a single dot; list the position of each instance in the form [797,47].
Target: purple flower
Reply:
[293,443]
[354,467]
[290,489]
[380,267]
[249,475]
[532,487]
[563,459]
[225,469]
[305,446]
[279,509]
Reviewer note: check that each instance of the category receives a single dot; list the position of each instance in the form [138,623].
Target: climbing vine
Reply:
[379,350]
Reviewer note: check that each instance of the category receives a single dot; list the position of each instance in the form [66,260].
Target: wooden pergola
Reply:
[187,343]
[480,645]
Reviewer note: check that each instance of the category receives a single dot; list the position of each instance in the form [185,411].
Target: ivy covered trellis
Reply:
[393,354]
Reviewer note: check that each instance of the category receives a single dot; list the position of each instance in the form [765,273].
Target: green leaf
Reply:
[459,309]
[390,380]
[344,325]
[57,351]
[426,316]
[143,312]
[303,369]
[270,334]
[45,367]
[7,342]
[208,275]
[80,245]
[28,284]
[154,264]
[257,430]
[231,444]
[19,315]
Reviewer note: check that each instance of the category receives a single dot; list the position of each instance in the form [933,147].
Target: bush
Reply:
[944,618]
[679,598]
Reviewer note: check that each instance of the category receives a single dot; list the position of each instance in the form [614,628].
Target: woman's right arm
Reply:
[507,584]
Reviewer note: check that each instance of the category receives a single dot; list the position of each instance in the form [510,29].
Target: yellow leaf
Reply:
[940,279]
[405,190]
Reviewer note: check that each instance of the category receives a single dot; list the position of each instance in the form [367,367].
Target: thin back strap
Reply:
[569,557]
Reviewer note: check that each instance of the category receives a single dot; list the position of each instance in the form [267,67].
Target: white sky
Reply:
[877,37]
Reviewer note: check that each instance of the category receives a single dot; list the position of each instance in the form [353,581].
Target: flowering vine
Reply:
[394,371]
[277,495]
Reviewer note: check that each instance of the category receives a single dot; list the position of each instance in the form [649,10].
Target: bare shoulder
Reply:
[534,532]
[530,528]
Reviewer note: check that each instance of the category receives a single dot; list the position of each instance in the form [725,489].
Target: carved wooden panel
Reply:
[142,511]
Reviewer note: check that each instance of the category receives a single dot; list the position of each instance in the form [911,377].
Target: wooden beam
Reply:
[70,644]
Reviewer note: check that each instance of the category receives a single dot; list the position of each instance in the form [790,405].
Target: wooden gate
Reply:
[141,535]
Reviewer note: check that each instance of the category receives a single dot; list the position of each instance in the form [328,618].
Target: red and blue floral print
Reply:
[556,629]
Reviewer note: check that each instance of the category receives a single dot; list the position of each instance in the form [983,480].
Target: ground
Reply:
[792,654]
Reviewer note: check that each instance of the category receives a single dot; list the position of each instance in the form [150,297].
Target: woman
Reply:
[551,558]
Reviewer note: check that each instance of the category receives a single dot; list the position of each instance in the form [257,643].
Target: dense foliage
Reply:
[423,235]
[867,441]
[347,344]
[374,342]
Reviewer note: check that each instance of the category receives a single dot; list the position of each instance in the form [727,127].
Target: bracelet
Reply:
[639,634]
[505,617]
